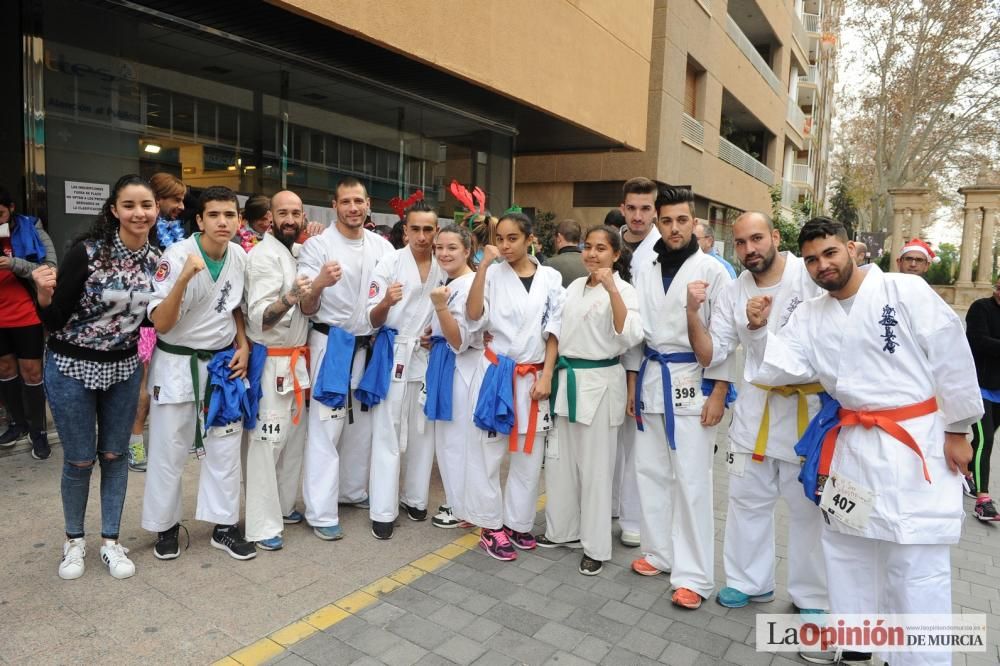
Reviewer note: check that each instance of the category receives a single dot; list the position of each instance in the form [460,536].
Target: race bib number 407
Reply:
[847,502]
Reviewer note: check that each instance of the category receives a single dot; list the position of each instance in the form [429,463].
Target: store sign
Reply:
[85,198]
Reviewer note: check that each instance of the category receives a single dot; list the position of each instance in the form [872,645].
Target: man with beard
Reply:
[767,423]
[893,355]
[275,447]
[676,412]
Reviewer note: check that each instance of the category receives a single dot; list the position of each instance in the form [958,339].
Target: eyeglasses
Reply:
[914,260]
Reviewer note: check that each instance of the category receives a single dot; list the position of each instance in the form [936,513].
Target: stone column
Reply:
[916,224]
[984,276]
[897,239]
[968,241]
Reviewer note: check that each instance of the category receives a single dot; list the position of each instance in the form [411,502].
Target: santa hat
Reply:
[917,245]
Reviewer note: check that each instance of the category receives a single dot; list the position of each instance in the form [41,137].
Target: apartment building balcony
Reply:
[799,32]
[812,24]
[810,78]
[692,131]
[750,51]
[745,162]
[802,175]
[796,118]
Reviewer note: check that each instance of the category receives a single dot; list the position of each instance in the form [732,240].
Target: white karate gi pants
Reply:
[748,553]
[452,440]
[625,492]
[873,576]
[675,495]
[579,464]
[274,467]
[400,409]
[171,434]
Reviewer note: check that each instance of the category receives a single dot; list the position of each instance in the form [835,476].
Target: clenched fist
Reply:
[758,309]
[490,254]
[439,297]
[606,278]
[193,265]
[329,275]
[697,293]
[45,284]
[394,294]
[300,290]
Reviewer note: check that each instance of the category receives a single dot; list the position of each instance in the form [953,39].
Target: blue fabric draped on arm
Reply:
[333,381]
[251,399]
[226,402]
[440,380]
[495,406]
[374,385]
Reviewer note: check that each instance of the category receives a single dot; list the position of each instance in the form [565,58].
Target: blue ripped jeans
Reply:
[90,424]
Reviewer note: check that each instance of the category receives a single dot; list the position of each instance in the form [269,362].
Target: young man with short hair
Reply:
[568,259]
[198,288]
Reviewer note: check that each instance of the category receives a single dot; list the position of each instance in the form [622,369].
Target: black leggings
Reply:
[982,445]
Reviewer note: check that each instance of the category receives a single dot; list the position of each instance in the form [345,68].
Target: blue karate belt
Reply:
[374,385]
[668,411]
[440,380]
[810,447]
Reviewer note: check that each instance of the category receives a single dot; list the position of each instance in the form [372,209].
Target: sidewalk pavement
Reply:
[428,596]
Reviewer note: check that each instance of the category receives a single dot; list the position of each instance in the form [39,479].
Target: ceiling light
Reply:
[152,148]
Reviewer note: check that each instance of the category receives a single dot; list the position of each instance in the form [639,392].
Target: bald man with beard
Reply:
[273,289]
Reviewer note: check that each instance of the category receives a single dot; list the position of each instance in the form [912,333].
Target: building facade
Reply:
[739,101]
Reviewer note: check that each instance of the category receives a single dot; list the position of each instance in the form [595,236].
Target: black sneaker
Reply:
[444,518]
[986,511]
[229,539]
[381,530]
[13,434]
[849,658]
[413,513]
[40,449]
[969,487]
[543,541]
[167,546]
[589,566]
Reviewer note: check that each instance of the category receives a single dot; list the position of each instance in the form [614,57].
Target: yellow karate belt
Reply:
[802,390]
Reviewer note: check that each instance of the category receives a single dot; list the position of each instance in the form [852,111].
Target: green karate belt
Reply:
[195,356]
[571,364]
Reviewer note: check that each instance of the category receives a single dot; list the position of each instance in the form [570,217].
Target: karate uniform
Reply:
[205,324]
[675,484]
[580,461]
[399,428]
[520,322]
[338,443]
[756,484]
[898,346]
[452,438]
[276,446]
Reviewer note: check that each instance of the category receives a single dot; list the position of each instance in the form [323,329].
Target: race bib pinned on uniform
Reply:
[329,413]
[847,502]
[226,430]
[271,427]
[545,420]
[736,463]
[685,390]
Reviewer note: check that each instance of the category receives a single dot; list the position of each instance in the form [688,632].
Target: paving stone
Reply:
[576,597]
[423,632]
[542,584]
[520,648]
[481,629]
[431,659]
[533,563]
[730,628]
[619,656]
[414,601]
[289,659]
[452,617]
[402,653]
[643,643]
[597,625]
[456,572]
[347,627]
[778,660]
[381,614]
[492,586]
[366,661]
[610,589]
[570,575]
[516,575]
[324,649]
[563,637]
[592,648]
[460,650]
[654,624]
[427,583]
[697,639]
[547,607]
[679,655]
[744,654]
[561,658]
[371,640]
[494,658]
[451,592]
[477,603]
[619,612]
[518,619]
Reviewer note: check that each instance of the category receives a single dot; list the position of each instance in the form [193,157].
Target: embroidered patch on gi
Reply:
[373,290]
[162,271]
[888,321]
[156,393]
[221,305]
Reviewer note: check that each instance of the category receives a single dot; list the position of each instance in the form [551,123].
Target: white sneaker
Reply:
[71,567]
[630,539]
[113,555]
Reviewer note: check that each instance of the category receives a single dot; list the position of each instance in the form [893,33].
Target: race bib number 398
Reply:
[685,389]
[847,502]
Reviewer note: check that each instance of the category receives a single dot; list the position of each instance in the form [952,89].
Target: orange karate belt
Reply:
[520,370]
[295,353]
[885,419]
